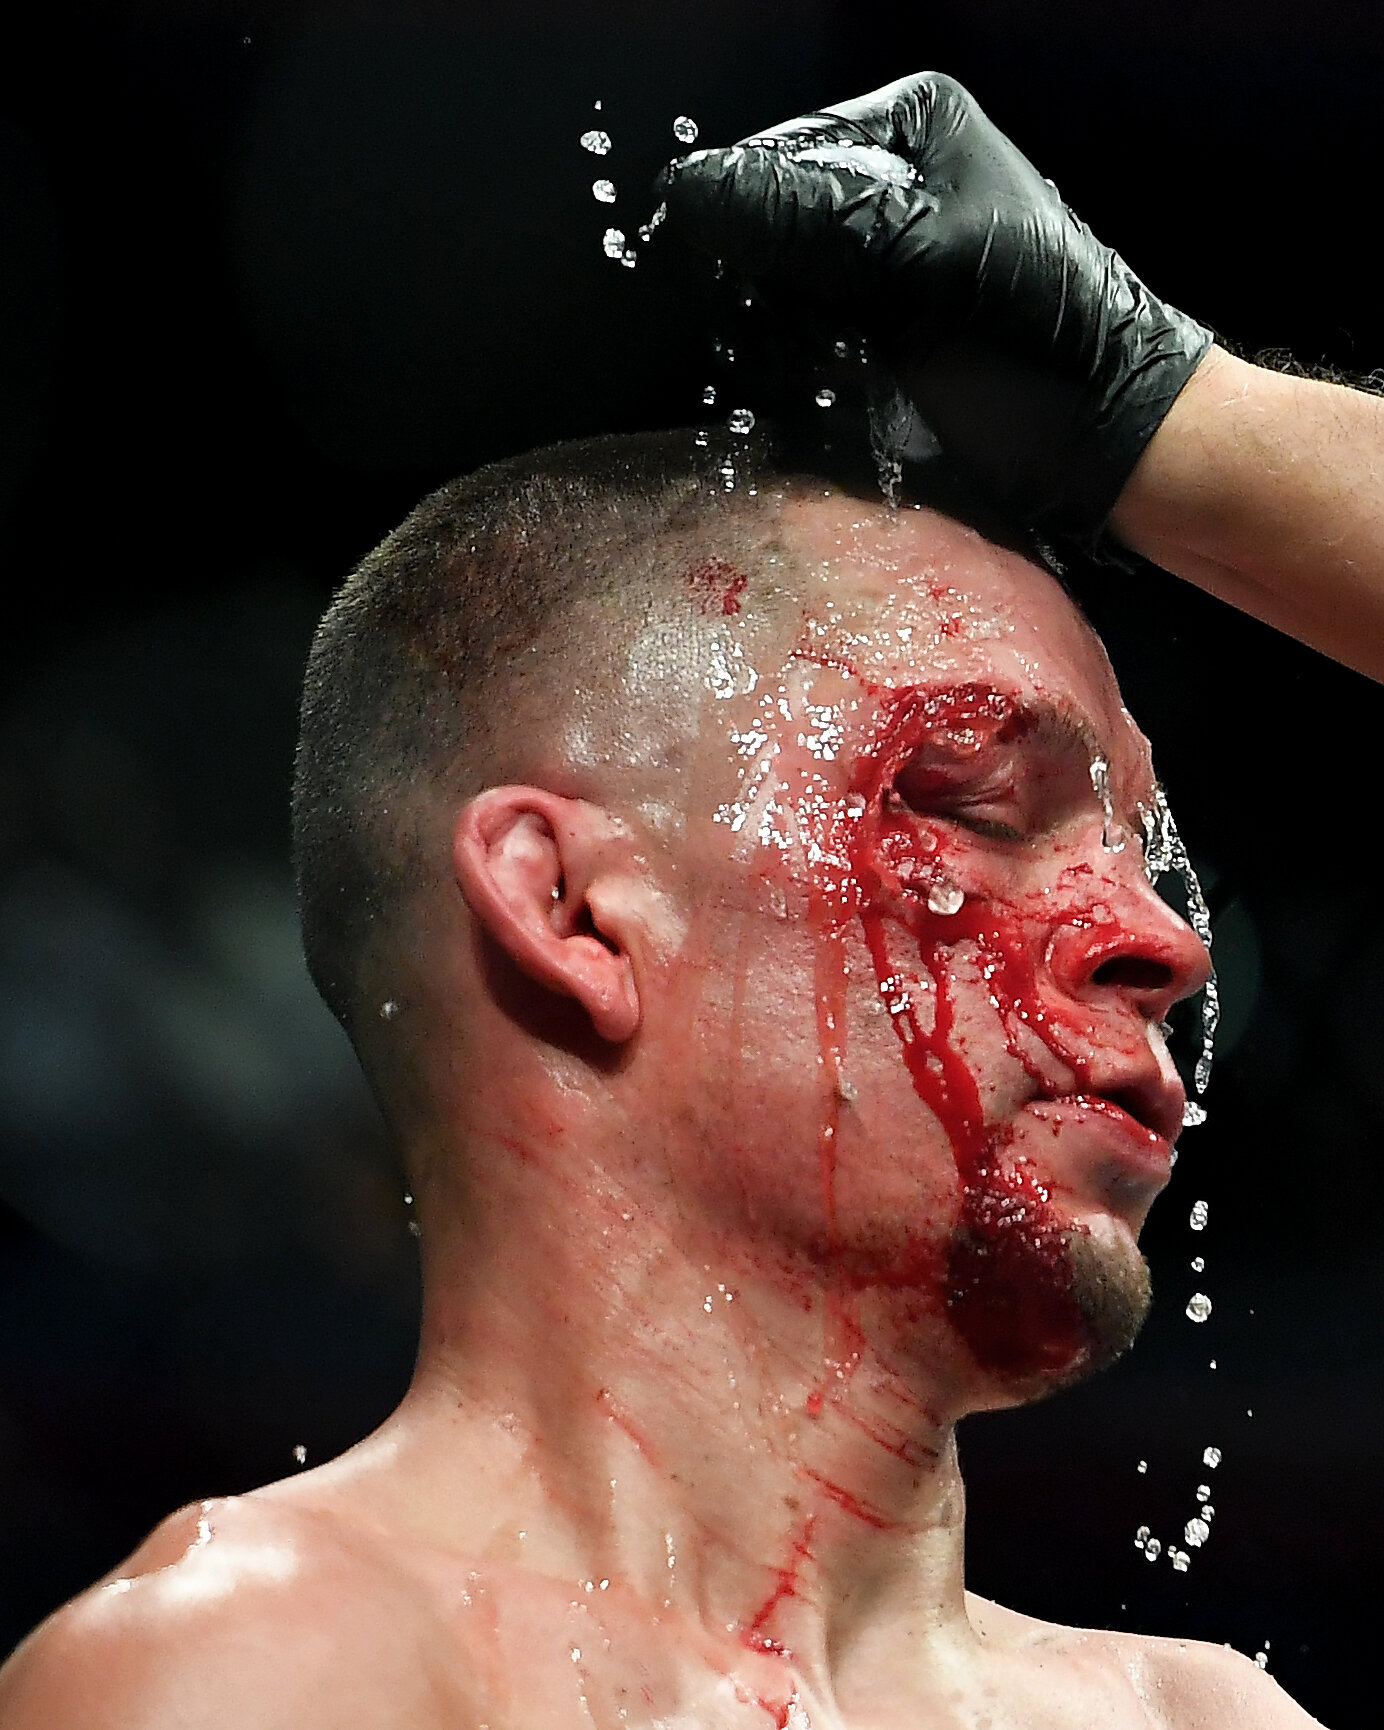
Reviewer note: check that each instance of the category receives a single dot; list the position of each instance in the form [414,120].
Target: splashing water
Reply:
[597,142]
[1111,836]
[888,436]
[1165,850]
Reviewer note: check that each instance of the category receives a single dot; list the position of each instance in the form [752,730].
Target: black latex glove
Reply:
[1040,361]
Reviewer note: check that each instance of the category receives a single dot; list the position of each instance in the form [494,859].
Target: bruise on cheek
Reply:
[716,586]
[1006,1280]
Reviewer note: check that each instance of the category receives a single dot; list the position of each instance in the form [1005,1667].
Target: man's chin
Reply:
[1039,1315]
[1110,1283]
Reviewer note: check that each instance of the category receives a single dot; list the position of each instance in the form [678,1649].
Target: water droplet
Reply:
[613,243]
[1193,1114]
[825,397]
[629,258]
[300,1454]
[1207,1511]
[1198,1307]
[1112,837]
[1180,1560]
[740,420]
[1198,1264]
[1203,1492]
[388,1010]
[598,143]
[1211,1457]
[945,899]
[1153,1549]
[1262,1660]
[1165,850]
[1196,1532]
[685,129]
[1143,1466]
[841,348]
[1197,1221]
[408,1198]
[414,1229]
[603,191]
[709,395]
[699,438]
[1141,1537]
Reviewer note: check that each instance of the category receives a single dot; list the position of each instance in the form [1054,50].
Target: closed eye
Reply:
[987,806]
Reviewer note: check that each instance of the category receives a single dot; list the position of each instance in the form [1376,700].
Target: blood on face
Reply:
[1004,1276]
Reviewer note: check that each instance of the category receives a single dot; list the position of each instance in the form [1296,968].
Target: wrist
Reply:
[1177,484]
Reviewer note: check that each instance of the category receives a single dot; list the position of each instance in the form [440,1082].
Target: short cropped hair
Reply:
[479,603]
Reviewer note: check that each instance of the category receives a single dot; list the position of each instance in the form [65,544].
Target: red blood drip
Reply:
[1007,1281]
[781,1711]
[785,1586]
[716,586]
[851,1503]
[620,1419]
[1009,1284]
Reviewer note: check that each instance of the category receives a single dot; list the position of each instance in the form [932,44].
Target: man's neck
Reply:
[605,1396]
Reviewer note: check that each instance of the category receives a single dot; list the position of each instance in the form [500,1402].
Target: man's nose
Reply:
[1135,950]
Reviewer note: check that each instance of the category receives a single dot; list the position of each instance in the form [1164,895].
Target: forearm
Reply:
[1268,491]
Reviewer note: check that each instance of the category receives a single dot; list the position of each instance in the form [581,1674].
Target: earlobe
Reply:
[524,860]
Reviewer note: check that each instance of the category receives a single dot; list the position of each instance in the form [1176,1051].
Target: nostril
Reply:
[1135,972]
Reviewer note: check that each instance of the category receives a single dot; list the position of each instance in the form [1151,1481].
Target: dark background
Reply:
[269,271]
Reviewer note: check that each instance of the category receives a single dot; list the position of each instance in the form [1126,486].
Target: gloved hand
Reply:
[1035,355]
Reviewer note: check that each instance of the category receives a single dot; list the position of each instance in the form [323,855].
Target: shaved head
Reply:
[544,619]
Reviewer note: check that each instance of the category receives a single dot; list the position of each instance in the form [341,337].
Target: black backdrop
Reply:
[270,270]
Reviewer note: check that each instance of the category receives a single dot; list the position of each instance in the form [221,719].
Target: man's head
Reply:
[782,849]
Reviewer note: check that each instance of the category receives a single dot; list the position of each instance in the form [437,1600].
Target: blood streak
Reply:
[785,1586]
[716,586]
[620,1418]
[1007,1281]
[851,1503]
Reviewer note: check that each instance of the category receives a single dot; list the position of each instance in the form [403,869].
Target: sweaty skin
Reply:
[803,1101]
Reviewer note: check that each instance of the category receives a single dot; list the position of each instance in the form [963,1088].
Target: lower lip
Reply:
[1144,1157]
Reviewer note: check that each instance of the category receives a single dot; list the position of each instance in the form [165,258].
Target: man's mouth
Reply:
[1127,1128]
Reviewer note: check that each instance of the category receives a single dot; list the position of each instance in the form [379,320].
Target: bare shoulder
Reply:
[1199,1686]
[234,1613]
[1182,1684]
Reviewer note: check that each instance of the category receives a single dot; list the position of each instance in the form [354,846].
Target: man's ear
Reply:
[526,862]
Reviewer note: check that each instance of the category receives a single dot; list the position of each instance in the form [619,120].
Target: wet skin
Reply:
[704,1301]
